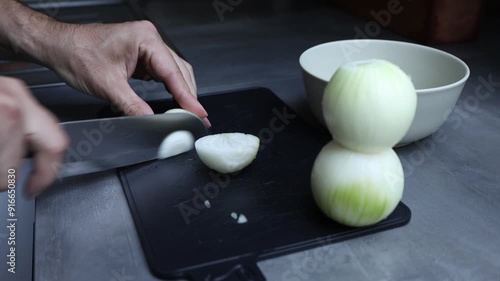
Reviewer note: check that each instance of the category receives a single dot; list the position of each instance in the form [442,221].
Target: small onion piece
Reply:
[176,143]
[356,189]
[234,215]
[368,106]
[179,110]
[242,219]
[228,152]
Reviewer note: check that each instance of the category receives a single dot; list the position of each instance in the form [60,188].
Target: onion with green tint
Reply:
[356,189]
[368,106]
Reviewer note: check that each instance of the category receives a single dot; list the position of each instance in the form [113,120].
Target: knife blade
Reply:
[104,144]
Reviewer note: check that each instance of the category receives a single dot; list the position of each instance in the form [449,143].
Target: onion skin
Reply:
[368,106]
[356,189]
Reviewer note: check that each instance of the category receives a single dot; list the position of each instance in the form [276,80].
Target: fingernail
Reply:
[205,112]
[148,111]
[207,122]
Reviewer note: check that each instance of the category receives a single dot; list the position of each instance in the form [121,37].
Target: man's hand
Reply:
[27,125]
[98,59]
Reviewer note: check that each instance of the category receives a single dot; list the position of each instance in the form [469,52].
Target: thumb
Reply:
[127,100]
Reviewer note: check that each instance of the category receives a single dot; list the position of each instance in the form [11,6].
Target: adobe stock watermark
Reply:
[219,181]
[84,147]
[463,110]
[277,124]
[223,6]
[372,28]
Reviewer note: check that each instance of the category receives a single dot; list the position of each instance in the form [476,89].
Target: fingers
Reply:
[186,70]
[193,80]
[49,148]
[126,99]
[46,139]
[11,138]
[26,122]
[164,66]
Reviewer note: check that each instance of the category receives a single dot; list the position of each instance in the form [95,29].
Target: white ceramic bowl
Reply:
[438,77]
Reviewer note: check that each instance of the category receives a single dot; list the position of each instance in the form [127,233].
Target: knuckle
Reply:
[131,108]
[9,80]
[63,141]
[58,146]
[17,83]
[10,86]
[146,29]
[10,111]
[59,140]
[60,143]
[145,24]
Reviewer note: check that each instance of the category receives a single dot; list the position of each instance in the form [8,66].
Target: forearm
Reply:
[25,34]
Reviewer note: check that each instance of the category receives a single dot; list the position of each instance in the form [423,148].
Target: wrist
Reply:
[26,34]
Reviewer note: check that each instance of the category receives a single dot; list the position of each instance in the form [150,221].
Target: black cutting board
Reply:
[182,238]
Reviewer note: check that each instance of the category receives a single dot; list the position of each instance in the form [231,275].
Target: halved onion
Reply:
[228,152]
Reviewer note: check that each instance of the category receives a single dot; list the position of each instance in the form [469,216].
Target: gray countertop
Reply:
[84,229]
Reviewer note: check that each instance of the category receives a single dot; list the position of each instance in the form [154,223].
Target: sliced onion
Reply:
[176,143]
[242,219]
[228,152]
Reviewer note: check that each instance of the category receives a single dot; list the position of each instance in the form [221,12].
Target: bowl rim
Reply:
[395,42]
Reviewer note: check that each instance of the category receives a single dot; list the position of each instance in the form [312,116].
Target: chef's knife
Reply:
[104,144]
